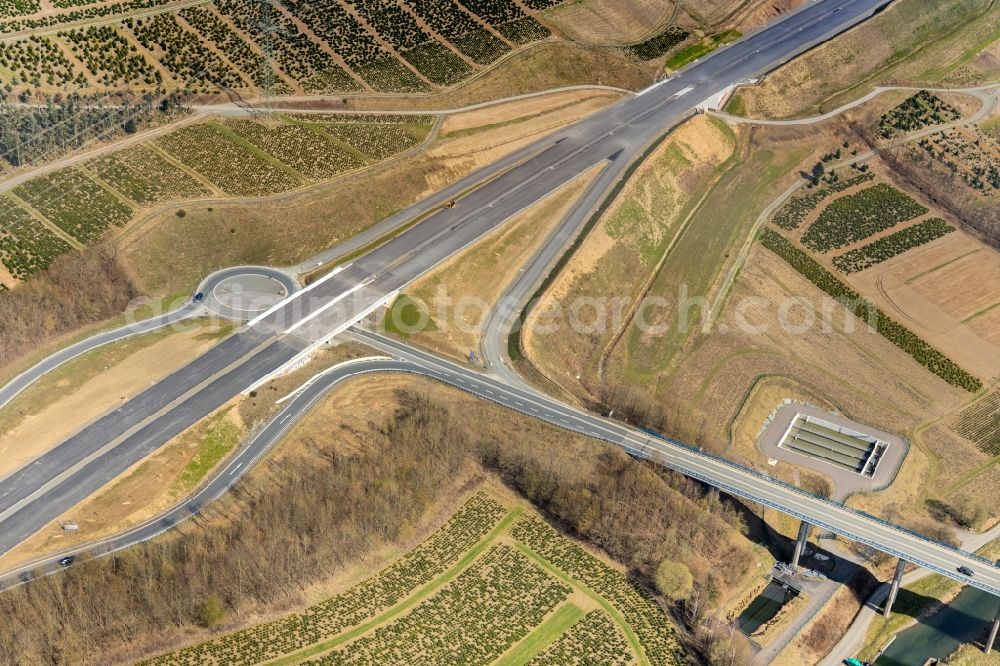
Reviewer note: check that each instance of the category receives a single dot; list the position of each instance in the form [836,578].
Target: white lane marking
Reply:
[274,308]
[326,306]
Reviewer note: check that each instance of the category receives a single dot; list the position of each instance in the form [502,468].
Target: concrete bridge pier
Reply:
[800,543]
[894,587]
[993,633]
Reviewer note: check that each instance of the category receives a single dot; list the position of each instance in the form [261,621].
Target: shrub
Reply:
[865,310]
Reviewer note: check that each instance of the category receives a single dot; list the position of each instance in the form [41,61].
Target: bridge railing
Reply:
[805,493]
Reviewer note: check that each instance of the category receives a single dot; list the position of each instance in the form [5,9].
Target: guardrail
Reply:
[827,500]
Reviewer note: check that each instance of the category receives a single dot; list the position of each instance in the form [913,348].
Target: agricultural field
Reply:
[26,245]
[491,583]
[306,151]
[795,211]
[855,217]
[920,110]
[970,153]
[611,21]
[594,639]
[507,19]
[377,141]
[193,64]
[39,62]
[110,58]
[657,46]
[980,423]
[234,168]
[466,35]
[145,176]
[896,333]
[236,49]
[400,29]
[299,57]
[889,246]
[75,203]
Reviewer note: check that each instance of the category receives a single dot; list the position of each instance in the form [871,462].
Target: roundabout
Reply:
[243,292]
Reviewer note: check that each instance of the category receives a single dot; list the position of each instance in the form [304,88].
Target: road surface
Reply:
[45,488]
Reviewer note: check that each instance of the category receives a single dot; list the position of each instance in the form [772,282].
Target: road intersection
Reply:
[38,493]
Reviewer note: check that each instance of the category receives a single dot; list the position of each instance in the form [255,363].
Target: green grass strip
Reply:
[410,601]
[612,612]
[543,635]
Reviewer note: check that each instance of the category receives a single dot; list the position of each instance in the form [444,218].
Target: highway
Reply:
[729,477]
[36,494]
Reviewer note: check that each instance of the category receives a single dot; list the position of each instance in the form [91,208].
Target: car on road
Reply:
[199,297]
[966,571]
[68,560]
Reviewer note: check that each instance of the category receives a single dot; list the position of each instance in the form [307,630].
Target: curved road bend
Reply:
[186,311]
[718,472]
[50,485]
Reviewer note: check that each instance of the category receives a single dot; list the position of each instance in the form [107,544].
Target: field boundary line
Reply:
[608,607]
[46,222]
[566,615]
[410,601]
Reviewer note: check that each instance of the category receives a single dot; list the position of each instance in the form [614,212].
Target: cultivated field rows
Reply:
[230,158]
[321,46]
[485,581]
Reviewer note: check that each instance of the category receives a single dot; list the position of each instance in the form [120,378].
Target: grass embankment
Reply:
[911,41]
[445,310]
[700,49]
[614,263]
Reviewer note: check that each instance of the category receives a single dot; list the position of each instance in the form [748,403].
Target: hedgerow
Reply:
[236,170]
[797,209]
[473,620]
[858,216]
[26,246]
[865,310]
[916,112]
[430,559]
[889,246]
[507,18]
[182,53]
[451,22]
[75,203]
[643,615]
[593,640]
[360,50]
[299,147]
[654,47]
[110,57]
[145,177]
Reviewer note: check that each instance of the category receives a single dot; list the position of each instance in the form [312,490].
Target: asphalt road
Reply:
[44,489]
[730,477]
[187,311]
